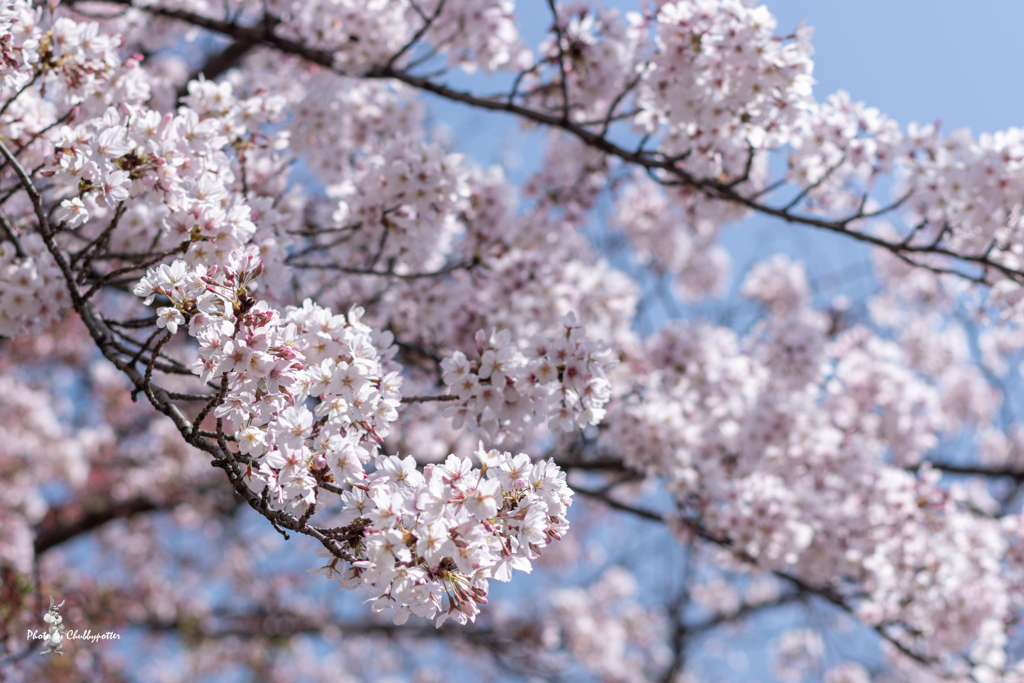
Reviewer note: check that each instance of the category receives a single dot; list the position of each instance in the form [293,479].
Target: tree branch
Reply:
[714,188]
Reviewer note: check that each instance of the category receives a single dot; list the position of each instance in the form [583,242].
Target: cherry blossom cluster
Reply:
[526,289]
[966,190]
[465,530]
[571,179]
[841,148]
[472,33]
[32,290]
[597,50]
[359,34]
[348,112]
[538,266]
[718,72]
[561,381]
[271,364]
[608,631]
[75,70]
[73,60]
[938,347]
[779,284]
[20,46]
[797,651]
[764,450]
[398,196]
[37,448]
[100,173]
[675,232]
[180,159]
[448,530]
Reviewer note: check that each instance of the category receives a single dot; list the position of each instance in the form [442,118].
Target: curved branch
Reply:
[104,338]
[68,522]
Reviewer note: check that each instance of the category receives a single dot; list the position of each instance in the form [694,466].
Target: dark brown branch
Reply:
[370,271]
[426,399]
[427,23]
[744,610]
[979,470]
[89,252]
[151,261]
[63,524]
[217,64]
[562,82]
[7,232]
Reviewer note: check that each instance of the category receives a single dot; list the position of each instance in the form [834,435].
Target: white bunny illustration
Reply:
[55,629]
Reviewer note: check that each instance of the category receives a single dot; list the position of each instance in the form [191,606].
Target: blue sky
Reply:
[919,60]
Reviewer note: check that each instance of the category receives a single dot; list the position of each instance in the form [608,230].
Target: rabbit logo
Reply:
[53,640]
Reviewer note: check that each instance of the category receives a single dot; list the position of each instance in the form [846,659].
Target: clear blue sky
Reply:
[919,60]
